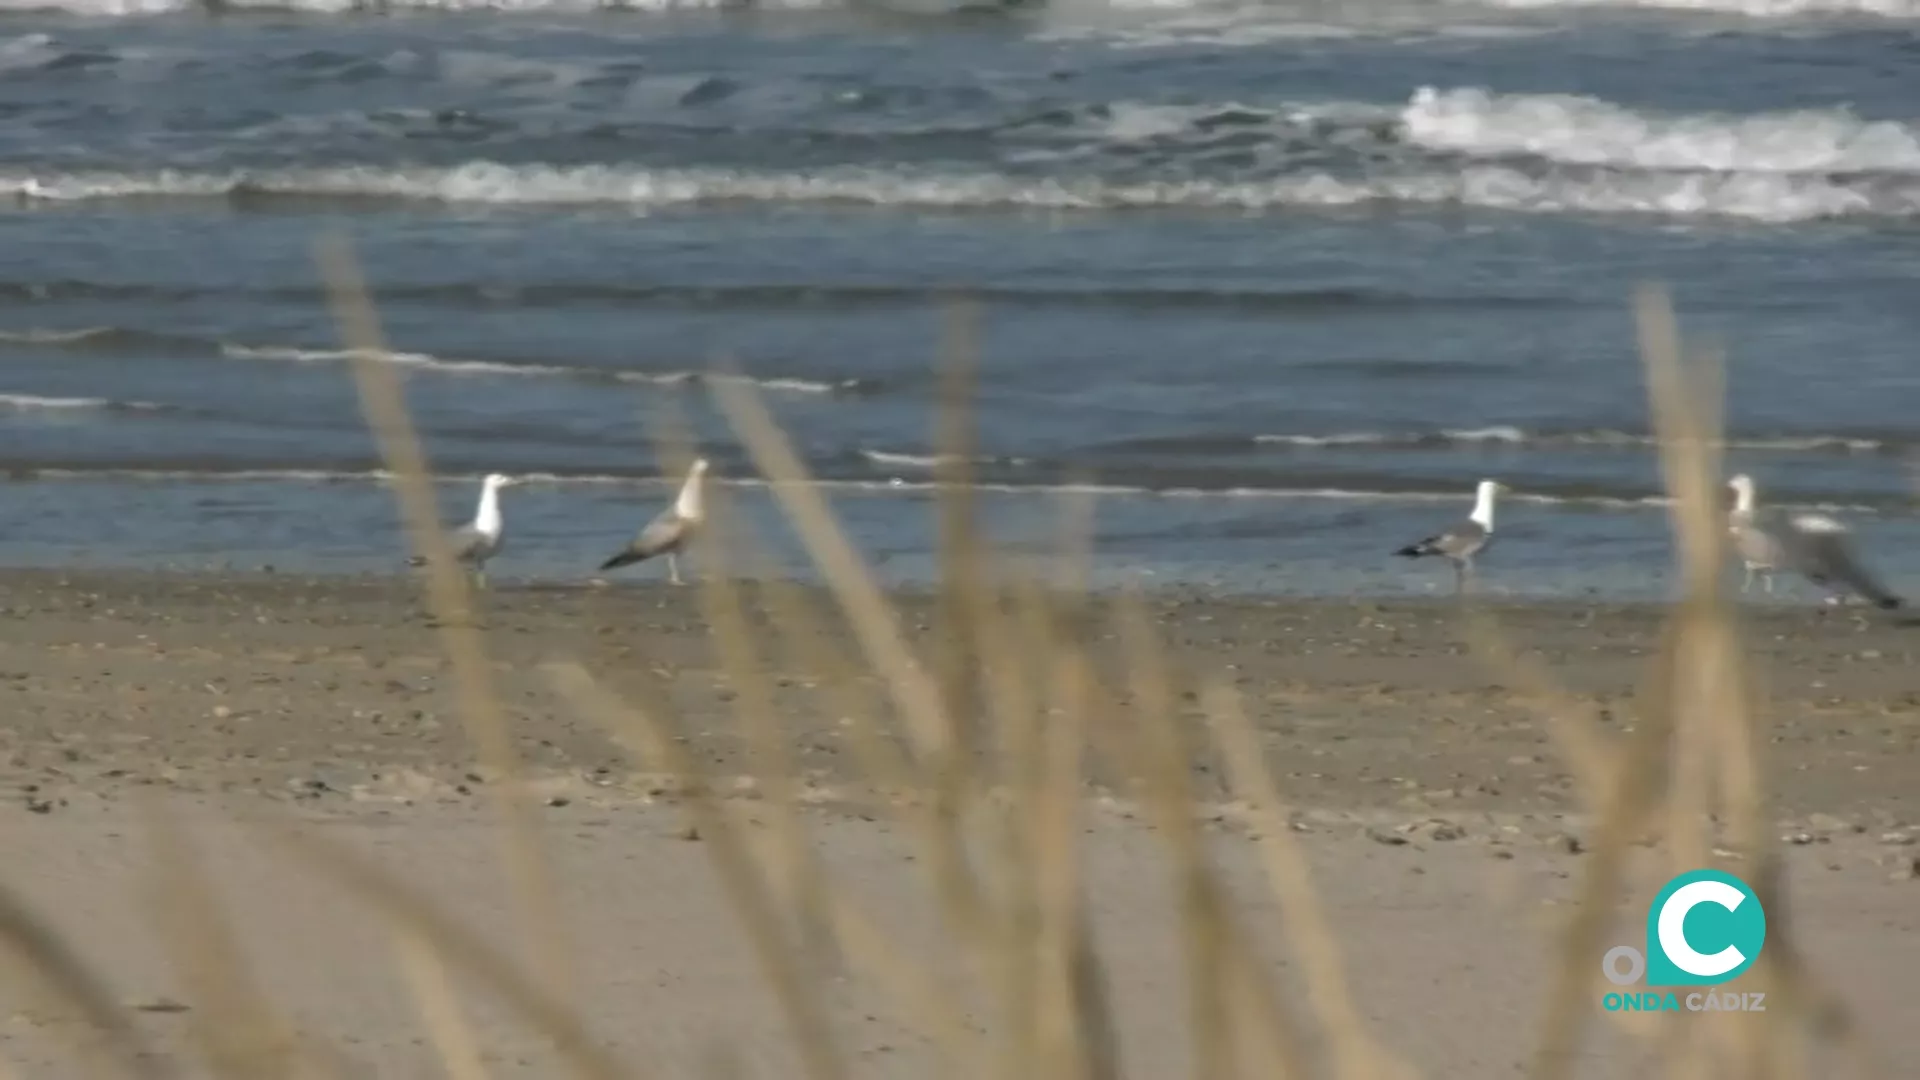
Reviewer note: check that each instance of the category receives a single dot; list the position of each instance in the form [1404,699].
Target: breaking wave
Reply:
[1761,196]
[36,403]
[1502,435]
[114,339]
[1586,131]
[1603,500]
[1317,22]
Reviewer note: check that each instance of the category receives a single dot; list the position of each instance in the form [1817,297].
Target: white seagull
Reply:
[1461,542]
[1760,551]
[668,533]
[1816,545]
[480,539]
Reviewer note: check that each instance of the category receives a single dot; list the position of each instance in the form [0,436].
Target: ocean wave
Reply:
[1587,131]
[38,403]
[1757,9]
[126,8]
[451,366]
[929,462]
[1503,435]
[1234,22]
[807,296]
[115,338]
[1770,197]
[1574,499]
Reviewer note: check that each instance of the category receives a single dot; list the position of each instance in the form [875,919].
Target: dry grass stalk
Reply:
[450,600]
[1356,1055]
[876,626]
[959,615]
[1232,1005]
[873,621]
[109,1041]
[240,1033]
[412,916]
[734,863]
[925,1003]
[796,872]
[440,1009]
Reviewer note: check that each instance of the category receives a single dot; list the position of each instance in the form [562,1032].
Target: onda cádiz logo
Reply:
[1705,927]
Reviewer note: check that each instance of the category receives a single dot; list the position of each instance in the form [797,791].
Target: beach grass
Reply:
[982,743]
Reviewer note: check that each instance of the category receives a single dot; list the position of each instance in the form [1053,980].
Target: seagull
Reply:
[480,539]
[1461,542]
[1760,551]
[668,533]
[1816,545]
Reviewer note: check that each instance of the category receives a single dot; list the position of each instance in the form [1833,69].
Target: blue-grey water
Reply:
[1280,280]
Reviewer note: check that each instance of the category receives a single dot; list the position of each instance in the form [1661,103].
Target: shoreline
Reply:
[261,681]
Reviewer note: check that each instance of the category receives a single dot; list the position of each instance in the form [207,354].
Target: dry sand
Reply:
[1430,798]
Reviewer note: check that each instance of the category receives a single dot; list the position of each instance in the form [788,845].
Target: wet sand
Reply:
[1444,830]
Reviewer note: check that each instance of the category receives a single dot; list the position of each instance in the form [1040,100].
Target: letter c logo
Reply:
[1673,934]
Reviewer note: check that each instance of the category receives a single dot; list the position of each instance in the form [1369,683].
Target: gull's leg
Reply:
[673,569]
[1459,577]
[1766,582]
[1747,582]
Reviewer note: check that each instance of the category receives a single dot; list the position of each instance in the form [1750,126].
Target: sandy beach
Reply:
[240,697]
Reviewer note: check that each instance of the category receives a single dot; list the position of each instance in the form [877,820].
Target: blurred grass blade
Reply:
[448,595]
[733,863]
[48,961]
[241,1035]
[1290,879]
[874,623]
[439,1007]
[413,915]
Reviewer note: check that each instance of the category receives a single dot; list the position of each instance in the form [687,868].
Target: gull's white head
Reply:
[1742,486]
[1483,501]
[497,481]
[688,504]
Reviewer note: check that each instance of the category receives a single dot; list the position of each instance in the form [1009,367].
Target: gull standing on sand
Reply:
[1815,545]
[1460,543]
[1760,551]
[480,539]
[668,533]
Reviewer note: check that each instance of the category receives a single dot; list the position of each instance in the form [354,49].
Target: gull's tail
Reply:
[624,558]
[1414,551]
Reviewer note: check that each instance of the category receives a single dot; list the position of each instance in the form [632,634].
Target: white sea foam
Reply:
[56,337]
[1587,131]
[1757,9]
[892,487]
[1224,22]
[37,403]
[451,366]
[928,462]
[1603,438]
[1761,196]
[290,354]
[123,8]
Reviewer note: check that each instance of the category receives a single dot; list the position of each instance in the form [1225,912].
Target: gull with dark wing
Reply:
[1460,543]
[480,539]
[668,533]
[1819,548]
